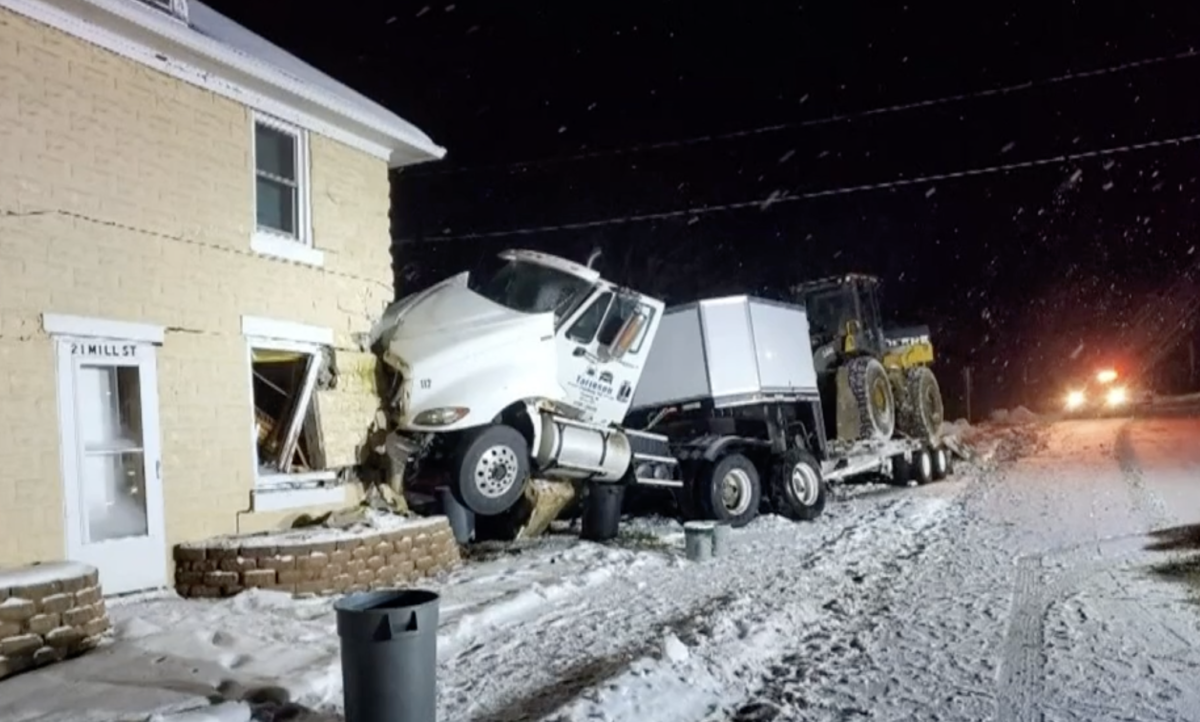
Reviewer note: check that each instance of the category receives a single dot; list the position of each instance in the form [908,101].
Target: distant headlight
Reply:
[1075,399]
[441,417]
[1116,396]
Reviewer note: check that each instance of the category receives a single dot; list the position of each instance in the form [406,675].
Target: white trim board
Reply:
[83,327]
[257,327]
[264,498]
[159,41]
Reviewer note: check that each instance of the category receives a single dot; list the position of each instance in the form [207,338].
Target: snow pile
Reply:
[957,427]
[1019,415]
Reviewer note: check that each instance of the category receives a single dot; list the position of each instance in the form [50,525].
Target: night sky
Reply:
[838,131]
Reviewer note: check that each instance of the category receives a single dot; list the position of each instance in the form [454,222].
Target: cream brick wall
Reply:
[127,195]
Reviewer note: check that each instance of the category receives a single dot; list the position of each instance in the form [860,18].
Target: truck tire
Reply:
[941,463]
[922,466]
[797,489]
[729,490]
[902,471]
[872,391]
[920,413]
[490,469]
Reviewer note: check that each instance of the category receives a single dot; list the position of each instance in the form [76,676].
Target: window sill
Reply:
[283,492]
[266,244]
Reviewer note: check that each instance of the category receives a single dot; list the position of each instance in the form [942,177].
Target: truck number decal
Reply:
[426,383]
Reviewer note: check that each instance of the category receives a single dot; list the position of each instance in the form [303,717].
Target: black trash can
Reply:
[602,511]
[389,655]
[462,519]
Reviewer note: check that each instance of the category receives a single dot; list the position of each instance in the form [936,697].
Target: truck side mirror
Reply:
[628,335]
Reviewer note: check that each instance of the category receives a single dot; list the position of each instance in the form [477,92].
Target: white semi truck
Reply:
[544,369]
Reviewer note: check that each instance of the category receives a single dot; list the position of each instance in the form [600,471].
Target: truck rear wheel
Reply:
[902,470]
[490,469]
[872,391]
[730,490]
[922,466]
[797,489]
[941,463]
[921,413]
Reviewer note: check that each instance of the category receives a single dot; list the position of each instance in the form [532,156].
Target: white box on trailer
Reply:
[733,350]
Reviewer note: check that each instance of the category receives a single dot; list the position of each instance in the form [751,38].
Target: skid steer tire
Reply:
[729,491]
[490,469]
[920,414]
[872,392]
[797,490]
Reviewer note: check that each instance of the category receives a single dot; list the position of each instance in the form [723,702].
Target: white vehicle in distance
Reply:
[1104,394]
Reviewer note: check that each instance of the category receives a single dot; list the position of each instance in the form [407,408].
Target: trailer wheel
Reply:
[922,466]
[490,469]
[872,392]
[902,471]
[797,490]
[730,490]
[921,414]
[941,463]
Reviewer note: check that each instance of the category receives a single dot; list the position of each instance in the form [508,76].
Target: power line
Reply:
[828,120]
[776,198]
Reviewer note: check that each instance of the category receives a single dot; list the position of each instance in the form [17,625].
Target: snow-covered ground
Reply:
[1024,590]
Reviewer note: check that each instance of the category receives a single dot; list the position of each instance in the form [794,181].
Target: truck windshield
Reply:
[828,312]
[530,288]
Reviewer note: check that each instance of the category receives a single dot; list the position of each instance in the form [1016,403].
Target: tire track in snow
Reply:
[908,646]
[811,677]
[1022,670]
[497,675]
[1145,501]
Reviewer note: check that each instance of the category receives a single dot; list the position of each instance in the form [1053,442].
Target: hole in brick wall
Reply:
[285,410]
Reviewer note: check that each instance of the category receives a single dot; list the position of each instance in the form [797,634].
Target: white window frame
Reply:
[264,241]
[282,491]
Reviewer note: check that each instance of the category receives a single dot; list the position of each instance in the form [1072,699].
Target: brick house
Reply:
[194,234]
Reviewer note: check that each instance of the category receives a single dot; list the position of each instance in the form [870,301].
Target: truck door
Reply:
[602,353]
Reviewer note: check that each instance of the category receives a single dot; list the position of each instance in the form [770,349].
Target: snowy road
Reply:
[1032,599]
[1024,593]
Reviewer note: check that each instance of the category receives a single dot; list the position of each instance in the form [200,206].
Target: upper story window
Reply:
[281,191]
[178,8]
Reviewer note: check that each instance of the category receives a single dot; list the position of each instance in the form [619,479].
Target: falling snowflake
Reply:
[1008,147]
[390,20]
[787,156]
[450,8]
[929,193]
[422,11]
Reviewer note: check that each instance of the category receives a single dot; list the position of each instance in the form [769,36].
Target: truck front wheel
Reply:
[490,469]
[730,490]
[797,489]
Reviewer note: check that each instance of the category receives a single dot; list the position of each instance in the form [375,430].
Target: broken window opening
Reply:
[285,410]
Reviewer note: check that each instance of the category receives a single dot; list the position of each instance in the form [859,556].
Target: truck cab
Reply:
[496,373]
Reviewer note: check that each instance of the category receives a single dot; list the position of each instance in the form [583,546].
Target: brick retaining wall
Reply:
[316,562]
[48,612]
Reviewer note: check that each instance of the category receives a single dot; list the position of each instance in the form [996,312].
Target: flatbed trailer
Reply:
[729,415]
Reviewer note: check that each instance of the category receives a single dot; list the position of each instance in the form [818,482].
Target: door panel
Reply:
[110,439]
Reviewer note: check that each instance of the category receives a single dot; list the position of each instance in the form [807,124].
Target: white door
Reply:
[108,414]
[602,387]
